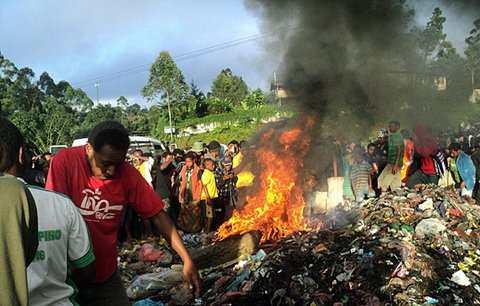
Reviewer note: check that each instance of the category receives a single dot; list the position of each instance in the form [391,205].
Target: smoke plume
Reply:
[342,59]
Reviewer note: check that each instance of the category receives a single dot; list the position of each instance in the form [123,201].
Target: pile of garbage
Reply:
[409,247]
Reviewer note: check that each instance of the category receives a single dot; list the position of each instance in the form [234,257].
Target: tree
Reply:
[166,85]
[122,102]
[228,86]
[201,108]
[448,63]
[219,106]
[432,36]
[472,52]
[254,99]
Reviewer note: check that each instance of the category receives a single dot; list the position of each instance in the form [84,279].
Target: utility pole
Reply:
[170,117]
[97,85]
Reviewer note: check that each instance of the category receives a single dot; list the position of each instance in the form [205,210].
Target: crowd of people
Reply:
[68,232]
[402,157]
[198,186]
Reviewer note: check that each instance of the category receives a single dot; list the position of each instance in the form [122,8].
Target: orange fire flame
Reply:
[277,208]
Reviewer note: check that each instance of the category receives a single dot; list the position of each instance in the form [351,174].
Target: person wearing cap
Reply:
[199,149]
[227,192]
[381,149]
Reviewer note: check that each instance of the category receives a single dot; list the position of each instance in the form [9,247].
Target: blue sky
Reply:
[84,40]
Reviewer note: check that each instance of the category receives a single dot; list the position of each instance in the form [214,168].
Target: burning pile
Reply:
[277,208]
[408,248]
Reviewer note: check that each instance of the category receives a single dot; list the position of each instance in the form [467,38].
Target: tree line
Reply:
[51,113]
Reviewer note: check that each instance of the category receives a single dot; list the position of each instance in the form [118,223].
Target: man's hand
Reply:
[167,229]
[462,185]
[192,277]
[395,169]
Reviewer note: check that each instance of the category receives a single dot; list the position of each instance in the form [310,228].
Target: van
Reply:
[55,148]
[146,144]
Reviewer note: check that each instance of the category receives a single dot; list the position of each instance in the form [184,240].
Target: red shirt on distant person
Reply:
[101,202]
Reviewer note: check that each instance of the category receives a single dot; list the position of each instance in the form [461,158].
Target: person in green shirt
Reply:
[18,236]
[391,175]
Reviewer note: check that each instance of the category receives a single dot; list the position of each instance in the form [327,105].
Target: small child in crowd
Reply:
[209,193]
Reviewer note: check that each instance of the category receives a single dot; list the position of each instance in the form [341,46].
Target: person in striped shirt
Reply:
[361,176]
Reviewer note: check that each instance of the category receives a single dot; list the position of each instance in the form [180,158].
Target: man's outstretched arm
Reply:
[167,229]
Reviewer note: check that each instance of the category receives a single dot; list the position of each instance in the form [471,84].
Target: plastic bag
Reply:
[149,253]
[429,227]
[148,284]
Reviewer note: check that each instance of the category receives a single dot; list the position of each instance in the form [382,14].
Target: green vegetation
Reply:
[238,125]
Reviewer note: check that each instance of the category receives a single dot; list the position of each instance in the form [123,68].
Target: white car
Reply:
[146,144]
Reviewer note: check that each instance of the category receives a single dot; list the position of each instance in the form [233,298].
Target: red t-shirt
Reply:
[101,202]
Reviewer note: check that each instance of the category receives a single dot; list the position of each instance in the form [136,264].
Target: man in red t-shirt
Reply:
[101,183]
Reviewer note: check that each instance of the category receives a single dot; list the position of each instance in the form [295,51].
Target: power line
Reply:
[183,57]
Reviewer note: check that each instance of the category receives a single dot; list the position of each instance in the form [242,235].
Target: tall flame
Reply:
[277,208]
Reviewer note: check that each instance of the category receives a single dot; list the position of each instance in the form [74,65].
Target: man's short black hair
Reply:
[111,133]
[11,140]
[192,155]
[455,146]
[166,153]
[395,122]
[234,142]
[139,151]
[371,145]
[178,152]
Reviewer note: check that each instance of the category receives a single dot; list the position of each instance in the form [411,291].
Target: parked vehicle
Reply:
[55,148]
[146,144]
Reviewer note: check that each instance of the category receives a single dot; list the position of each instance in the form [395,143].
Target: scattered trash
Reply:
[460,278]
[149,253]
[148,302]
[148,284]
[429,227]
[410,247]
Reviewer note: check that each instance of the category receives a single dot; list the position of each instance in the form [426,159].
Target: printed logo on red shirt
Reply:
[92,204]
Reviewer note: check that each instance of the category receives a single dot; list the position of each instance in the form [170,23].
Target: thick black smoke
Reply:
[342,59]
